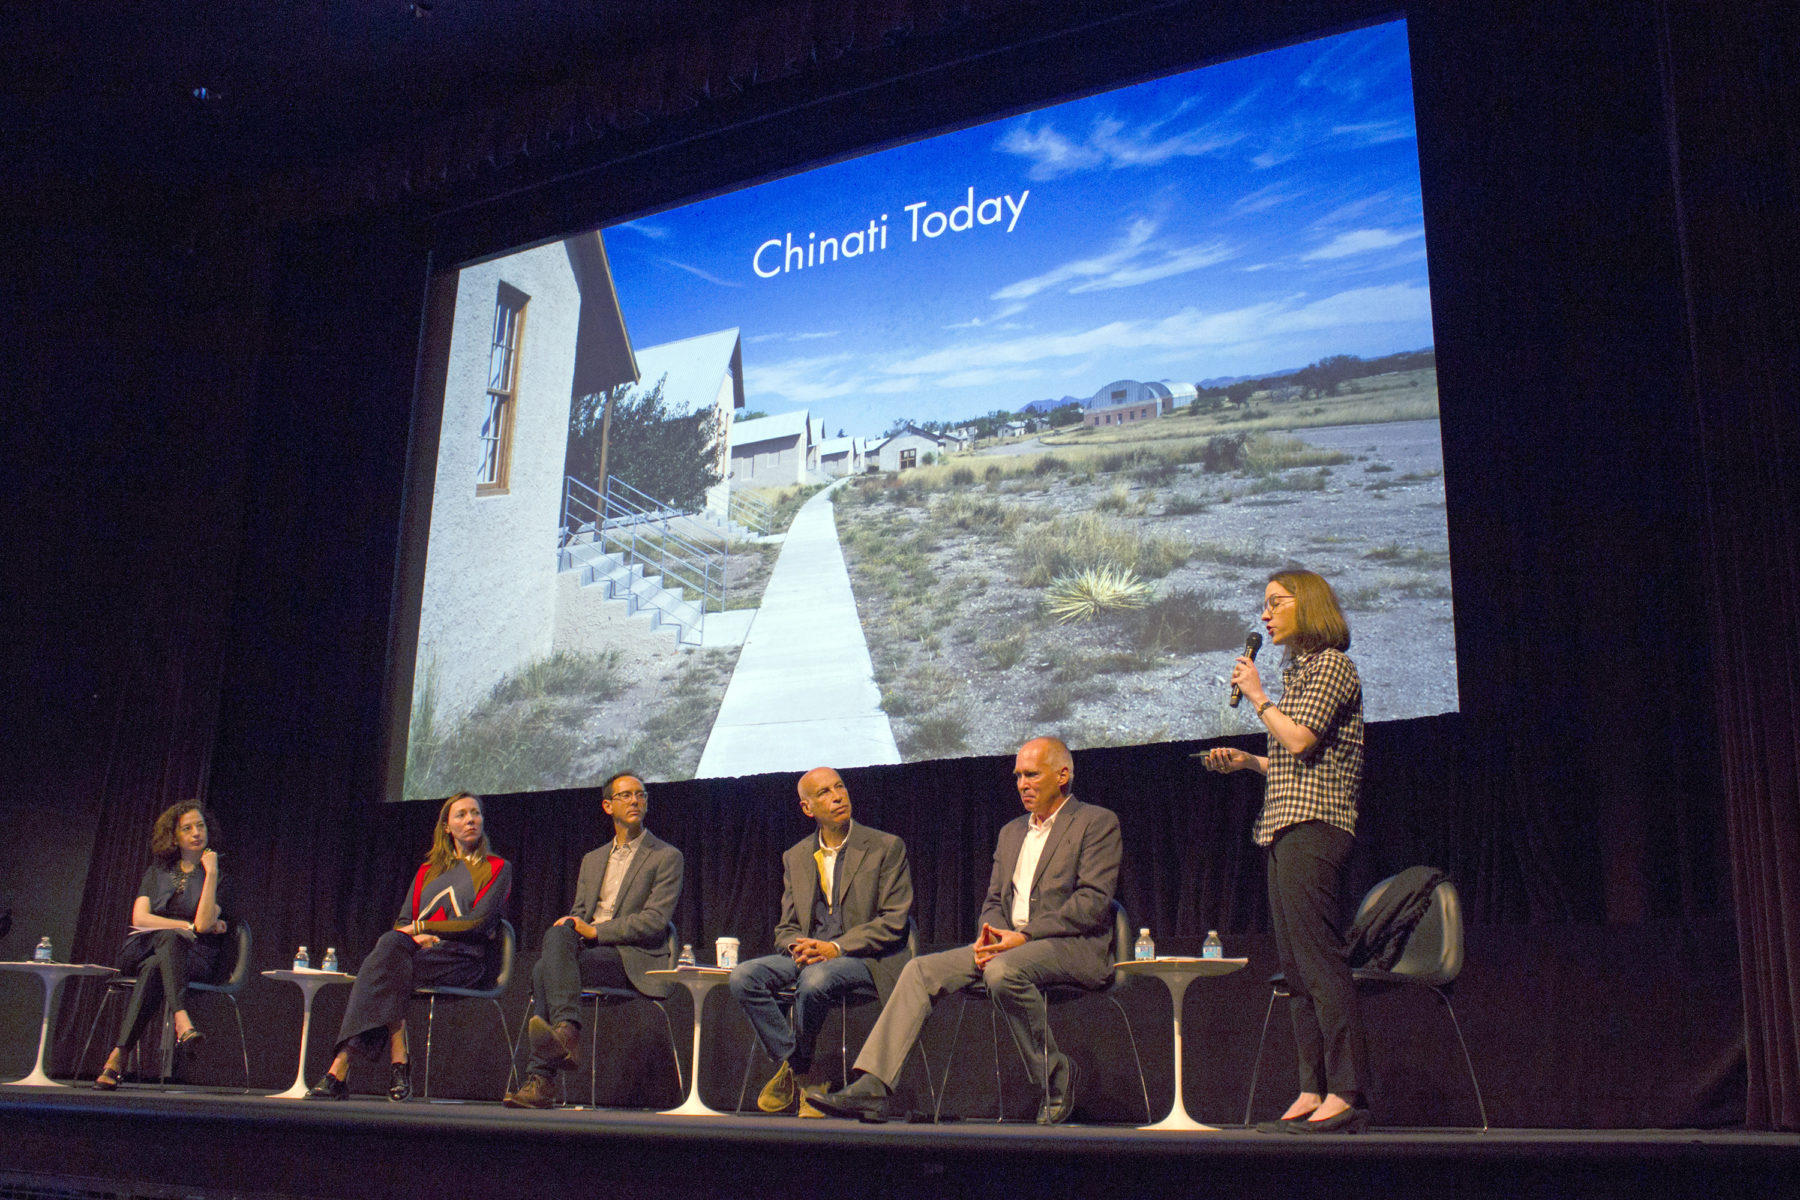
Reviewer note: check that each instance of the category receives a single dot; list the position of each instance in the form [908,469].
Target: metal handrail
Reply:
[642,529]
[751,512]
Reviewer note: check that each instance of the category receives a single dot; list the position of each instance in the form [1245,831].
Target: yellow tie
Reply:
[819,858]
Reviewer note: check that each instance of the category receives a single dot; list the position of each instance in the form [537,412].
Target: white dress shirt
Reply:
[1036,834]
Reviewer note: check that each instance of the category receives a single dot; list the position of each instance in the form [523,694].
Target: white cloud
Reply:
[1188,328]
[1265,198]
[1111,144]
[706,275]
[1361,241]
[654,232]
[1373,133]
[1134,258]
[987,376]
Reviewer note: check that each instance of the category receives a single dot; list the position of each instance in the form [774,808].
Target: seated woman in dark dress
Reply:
[439,940]
[178,934]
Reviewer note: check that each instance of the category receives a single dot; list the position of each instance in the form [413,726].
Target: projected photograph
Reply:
[918,454]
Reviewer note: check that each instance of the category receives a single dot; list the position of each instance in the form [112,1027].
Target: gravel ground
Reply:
[969,663]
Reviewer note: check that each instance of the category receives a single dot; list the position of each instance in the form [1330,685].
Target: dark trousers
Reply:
[1306,868]
[165,963]
[385,982]
[565,967]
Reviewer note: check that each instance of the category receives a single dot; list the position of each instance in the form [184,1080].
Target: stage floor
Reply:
[143,1141]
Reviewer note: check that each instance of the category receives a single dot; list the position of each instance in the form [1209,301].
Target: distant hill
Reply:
[1043,406]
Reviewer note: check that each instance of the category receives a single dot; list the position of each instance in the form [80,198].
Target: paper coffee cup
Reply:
[725,952]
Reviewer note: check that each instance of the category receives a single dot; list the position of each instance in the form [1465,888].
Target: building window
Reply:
[494,466]
[909,459]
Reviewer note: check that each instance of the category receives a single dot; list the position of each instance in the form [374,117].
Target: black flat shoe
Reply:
[190,1041]
[399,1081]
[1351,1120]
[329,1087]
[1282,1124]
[108,1080]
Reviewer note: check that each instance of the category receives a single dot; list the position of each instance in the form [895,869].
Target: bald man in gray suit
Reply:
[1047,920]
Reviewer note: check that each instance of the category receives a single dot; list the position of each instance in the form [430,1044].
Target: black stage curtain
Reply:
[1734,147]
[1577,799]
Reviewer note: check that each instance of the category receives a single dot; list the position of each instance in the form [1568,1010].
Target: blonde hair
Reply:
[443,847]
[1319,622]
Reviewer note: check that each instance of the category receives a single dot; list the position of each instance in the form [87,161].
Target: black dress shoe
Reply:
[1060,1102]
[1351,1120]
[329,1087]
[399,1081]
[865,1099]
[1281,1124]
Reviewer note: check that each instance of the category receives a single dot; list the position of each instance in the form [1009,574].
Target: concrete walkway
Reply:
[804,693]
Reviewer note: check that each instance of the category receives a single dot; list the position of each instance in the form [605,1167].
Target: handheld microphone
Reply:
[1252,644]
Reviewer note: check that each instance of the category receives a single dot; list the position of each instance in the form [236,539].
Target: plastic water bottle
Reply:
[687,956]
[302,959]
[1213,948]
[330,963]
[44,952]
[1146,948]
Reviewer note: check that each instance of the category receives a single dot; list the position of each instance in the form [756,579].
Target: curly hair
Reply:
[1318,618]
[163,846]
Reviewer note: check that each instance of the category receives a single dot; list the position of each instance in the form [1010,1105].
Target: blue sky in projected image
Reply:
[1241,218]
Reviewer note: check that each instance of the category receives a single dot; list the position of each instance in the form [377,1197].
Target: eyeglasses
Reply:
[639,794]
[1275,603]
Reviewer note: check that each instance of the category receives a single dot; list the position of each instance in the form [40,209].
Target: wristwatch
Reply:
[1264,707]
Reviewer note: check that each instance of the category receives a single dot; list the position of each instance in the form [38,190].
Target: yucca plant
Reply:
[1087,593]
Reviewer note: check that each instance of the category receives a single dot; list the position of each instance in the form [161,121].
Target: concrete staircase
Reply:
[641,591]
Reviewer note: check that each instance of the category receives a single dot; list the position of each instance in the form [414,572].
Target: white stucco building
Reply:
[530,332]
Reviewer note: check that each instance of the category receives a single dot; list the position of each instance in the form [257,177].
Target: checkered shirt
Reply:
[1322,692]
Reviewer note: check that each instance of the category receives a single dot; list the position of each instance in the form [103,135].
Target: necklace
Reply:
[182,873]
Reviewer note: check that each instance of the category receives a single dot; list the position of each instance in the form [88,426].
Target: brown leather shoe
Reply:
[535,1092]
[553,1046]
[778,1095]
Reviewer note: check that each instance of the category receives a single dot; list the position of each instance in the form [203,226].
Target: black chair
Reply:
[508,947]
[121,985]
[786,997]
[614,997]
[1056,994]
[1433,958]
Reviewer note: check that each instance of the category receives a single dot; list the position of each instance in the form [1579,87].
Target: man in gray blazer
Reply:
[616,933]
[846,892]
[1047,919]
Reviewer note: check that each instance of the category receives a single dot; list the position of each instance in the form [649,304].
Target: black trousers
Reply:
[1306,869]
[165,963]
[565,967]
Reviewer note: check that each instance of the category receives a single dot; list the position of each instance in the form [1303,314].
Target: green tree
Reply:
[673,458]
[1066,414]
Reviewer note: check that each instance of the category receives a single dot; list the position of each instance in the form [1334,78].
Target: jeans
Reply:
[816,988]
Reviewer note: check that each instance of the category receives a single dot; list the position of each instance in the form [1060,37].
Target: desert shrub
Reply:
[1223,454]
[1183,622]
[565,673]
[1085,595]
[1119,500]
[1268,453]
[962,477]
[1179,505]
[978,512]
[1289,481]
[1067,546]
[1005,653]
[936,735]
[993,473]
[1154,469]
[1047,464]
[1054,707]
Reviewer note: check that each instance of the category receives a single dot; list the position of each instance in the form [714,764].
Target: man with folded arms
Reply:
[846,891]
[1047,920]
[616,933]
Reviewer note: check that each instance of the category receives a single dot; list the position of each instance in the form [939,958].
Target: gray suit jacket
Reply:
[647,899]
[874,886]
[1071,895]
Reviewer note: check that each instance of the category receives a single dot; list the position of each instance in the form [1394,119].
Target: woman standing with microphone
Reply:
[1307,827]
